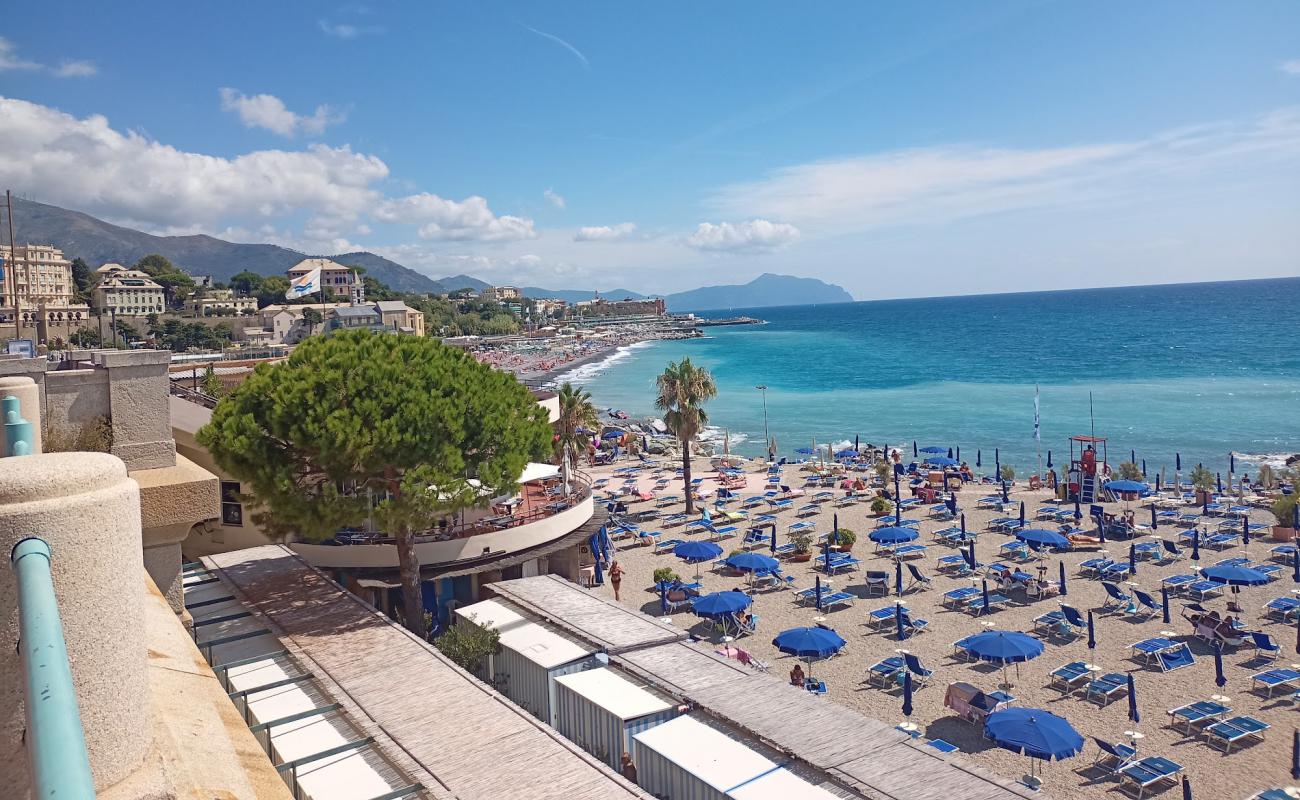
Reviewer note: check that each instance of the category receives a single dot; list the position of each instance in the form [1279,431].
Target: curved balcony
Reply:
[540,521]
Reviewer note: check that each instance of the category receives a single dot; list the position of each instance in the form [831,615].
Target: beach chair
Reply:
[1103,689]
[1047,512]
[798,527]
[1177,583]
[1069,677]
[1235,730]
[977,607]
[876,582]
[780,504]
[1144,606]
[920,674]
[913,625]
[1115,572]
[996,523]
[940,511]
[1221,541]
[992,501]
[881,618]
[1265,646]
[1271,679]
[1016,550]
[666,545]
[952,537]
[1111,758]
[675,519]
[1176,658]
[1147,773]
[1197,715]
[916,581]
[959,650]
[909,551]
[957,598]
[885,673]
[808,510]
[833,599]
[718,534]
[1169,552]
[788,492]
[754,539]
[1203,590]
[1116,599]
[1283,609]
[1283,553]
[845,501]
[1093,566]
[1189,520]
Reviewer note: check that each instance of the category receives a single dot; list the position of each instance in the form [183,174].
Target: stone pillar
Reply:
[29,401]
[138,391]
[88,510]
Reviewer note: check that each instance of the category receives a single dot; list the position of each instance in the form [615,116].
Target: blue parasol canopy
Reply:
[934,449]
[1033,732]
[1127,486]
[804,451]
[847,452]
[697,551]
[612,435]
[1003,647]
[1043,536]
[720,604]
[893,534]
[1235,576]
[751,562]
[942,461]
[809,642]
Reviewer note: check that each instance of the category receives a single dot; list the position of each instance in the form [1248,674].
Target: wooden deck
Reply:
[863,754]
[473,741]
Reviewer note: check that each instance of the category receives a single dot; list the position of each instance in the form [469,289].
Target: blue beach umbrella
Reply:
[809,643]
[977,458]
[915,453]
[1133,714]
[774,539]
[1164,604]
[1005,498]
[817,591]
[1042,536]
[1132,456]
[1144,467]
[1245,531]
[985,592]
[893,534]
[1022,511]
[1219,679]
[934,449]
[969,556]
[751,562]
[697,552]
[717,605]
[907,694]
[1132,559]
[1234,575]
[1092,633]
[959,452]
[612,435]
[898,577]
[1061,564]
[1003,647]
[1049,459]
[941,461]
[826,554]
[1232,462]
[804,451]
[1295,564]
[1218,480]
[1126,486]
[1295,754]
[847,452]
[1297,636]
[1033,732]
[1196,544]
[1187,788]
[898,621]
[1154,522]
[963,525]
[997,461]
[1178,462]
[1158,478]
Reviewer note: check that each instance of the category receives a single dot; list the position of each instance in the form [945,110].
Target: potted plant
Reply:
[882,470]
[1284,511]
[880,506]
[665,575]
[1128,471]
[1266,478]
[1008,473]
[802,542]
[847,538]
[1203,481]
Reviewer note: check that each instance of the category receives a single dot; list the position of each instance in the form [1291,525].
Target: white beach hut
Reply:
[600,711]
[531,657]
[687,760]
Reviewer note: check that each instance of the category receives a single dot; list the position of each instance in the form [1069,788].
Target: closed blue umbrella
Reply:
[907,694]
[751,562]
[1092,633]
[818,591]
[977,458]
[914,450]
[1187,789]
[809,643]
[1196,544]
[1297,636]
[1295,564]
[1164,604]
[1101,528]
[1061,564]
[1022,512]
[1159,477]
[1132,456]
[898,577]
[835,527]
[1232,462]
[898,622]
[1154,522]
[1005,498]
[969,556]
[963,526]
[1220,679]
[950,452]
[1132,558]
[997,461]
[1245,531]
[1033,732]
[1295,516]
[1178,462]
[1233,575]
[985,592]
[716,605]
[893,534]
[1144,467]
[959,452]
[1218,481]
[774,538]
[1205,503]
[1049,459]
[1133,714]
[1295,754]
[1042,536]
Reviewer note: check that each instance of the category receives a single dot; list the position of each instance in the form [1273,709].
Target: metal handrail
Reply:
[56,744]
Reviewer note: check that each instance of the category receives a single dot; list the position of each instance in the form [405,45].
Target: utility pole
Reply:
[767,436]
[13,265]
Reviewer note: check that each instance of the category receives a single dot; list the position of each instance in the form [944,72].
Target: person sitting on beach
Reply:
[966,475]
[797,676]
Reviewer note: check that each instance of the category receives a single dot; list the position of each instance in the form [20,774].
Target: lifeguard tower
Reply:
[1085,465]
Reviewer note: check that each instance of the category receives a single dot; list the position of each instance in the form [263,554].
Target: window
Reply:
[232,511]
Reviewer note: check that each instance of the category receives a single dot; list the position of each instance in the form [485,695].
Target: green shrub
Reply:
[881,505]
[665,575]
[1282,509]
[847,537]
[1008,472]
[1202,478]
[469,645]
[1129,471]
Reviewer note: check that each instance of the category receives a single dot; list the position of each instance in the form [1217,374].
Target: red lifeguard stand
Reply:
[1085,467]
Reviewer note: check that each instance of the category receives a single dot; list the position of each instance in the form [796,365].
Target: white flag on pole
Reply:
[303,285]
[1038,437]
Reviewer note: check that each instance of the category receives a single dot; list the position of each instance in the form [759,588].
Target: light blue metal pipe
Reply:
[56,746]
[17,431]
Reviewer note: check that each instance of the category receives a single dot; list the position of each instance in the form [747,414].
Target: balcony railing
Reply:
[56,746]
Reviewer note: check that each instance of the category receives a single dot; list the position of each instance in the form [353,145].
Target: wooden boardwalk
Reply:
[863,754]
[473,741]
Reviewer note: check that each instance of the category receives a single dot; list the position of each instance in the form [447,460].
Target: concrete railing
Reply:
[56,746]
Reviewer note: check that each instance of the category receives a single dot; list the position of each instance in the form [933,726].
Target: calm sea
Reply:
[1198,369]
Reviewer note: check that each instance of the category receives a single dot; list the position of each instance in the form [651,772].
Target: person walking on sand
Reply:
[615,576]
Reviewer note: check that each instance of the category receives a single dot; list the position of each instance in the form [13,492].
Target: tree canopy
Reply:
[175,282]
[358,410]
[683,390]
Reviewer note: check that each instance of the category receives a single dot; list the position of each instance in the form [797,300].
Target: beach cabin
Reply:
[531,657]
[600,711]
[687,760]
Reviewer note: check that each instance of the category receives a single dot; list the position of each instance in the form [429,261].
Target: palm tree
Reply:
[683,389]
[576,414]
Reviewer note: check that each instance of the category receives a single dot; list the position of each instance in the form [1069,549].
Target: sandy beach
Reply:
[548,359]
[1247,769]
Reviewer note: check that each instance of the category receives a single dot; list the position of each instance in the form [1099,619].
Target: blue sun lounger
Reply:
[992,501]
[1203,590]
[1283,609]
[1177,583]
[1198,714]
[1116,599]
[1149,649]
[780,504]
[1111,758]
[996,601]
[997,522]
[667,545]
[1234,730]
[909,551]
[881,617]
[1274,678]
[803,526]
[954,564]
[1177,658]
[1147,773]
[1221,541]
[1094,566]
[1283,553]
[1069,677]
[1103,689]
[1047,512]
[675,519]
[753,501]
[1189,520]
[808,510]
[940,511]
[884,673]
[957,598]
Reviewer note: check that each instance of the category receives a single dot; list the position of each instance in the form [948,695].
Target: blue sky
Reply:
[896,149]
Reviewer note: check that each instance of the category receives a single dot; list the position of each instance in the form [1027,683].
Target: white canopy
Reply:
[539,472]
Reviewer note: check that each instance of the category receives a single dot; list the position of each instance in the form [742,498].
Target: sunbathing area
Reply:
[1155,640]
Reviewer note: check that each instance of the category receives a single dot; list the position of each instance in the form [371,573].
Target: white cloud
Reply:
[553,38]
[555,199]
[1291,67]
[9,60]
[606,233]
[83,163]
[756,235]
[941,184]
[345,30]
[269,112]
[453,220]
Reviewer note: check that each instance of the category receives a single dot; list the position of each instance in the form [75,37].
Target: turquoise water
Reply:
[1198,369]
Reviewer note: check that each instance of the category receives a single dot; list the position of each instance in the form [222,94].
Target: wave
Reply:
[1274,460]
[592,369]
[716,435]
